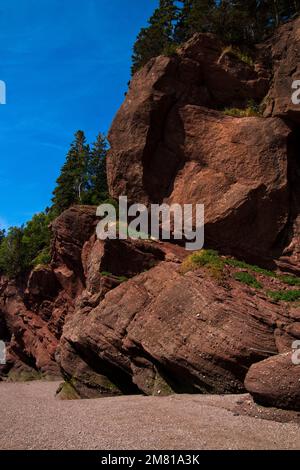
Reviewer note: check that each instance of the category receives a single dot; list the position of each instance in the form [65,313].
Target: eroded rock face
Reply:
[142,165]
[33,310]
[31,345]
[237,167]
[284,48]
[163,331]
[82,271]
[275,382]
[169,144]
[70,231]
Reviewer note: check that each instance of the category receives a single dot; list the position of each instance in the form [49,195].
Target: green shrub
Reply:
[209,259]
[247,279]
[66,391]
[12,255]
[252,110]
[285,295]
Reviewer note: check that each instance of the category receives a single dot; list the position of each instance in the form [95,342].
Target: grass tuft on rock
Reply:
[235,263]
[285,295]
[247,279]
[290,280]
[252,110]
[209,259]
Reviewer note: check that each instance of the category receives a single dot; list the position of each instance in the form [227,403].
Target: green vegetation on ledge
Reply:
[285,295]
[235,263]
[209,259]
[240,24]
[215,265]
[252,110]
[290,280]
[247,279]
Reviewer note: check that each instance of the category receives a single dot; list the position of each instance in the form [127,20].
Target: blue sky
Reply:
[66,64]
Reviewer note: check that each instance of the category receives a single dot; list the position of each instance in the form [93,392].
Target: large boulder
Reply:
[276,381]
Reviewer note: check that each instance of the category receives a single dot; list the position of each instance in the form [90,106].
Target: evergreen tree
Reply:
[25,247]
[96,172]
[36,240]
[194,17]
[72,182]
[82,180]
[11,253]
[157,37]
[242,22]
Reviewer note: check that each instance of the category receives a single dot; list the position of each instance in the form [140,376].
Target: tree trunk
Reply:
[276,12]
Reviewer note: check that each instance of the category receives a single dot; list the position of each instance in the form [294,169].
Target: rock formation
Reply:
[128,316]
[164,330]
[33,310]
[172,142]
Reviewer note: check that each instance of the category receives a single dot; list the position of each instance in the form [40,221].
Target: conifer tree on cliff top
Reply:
[236,22]
[195,17]
[157,37]
[71,184]
[83,178]
[97,190]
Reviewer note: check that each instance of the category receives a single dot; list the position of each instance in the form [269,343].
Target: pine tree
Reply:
[96,172]
[157,38]
[11,252]
[72,182]
[242,22]
[194,17]
[36,240]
